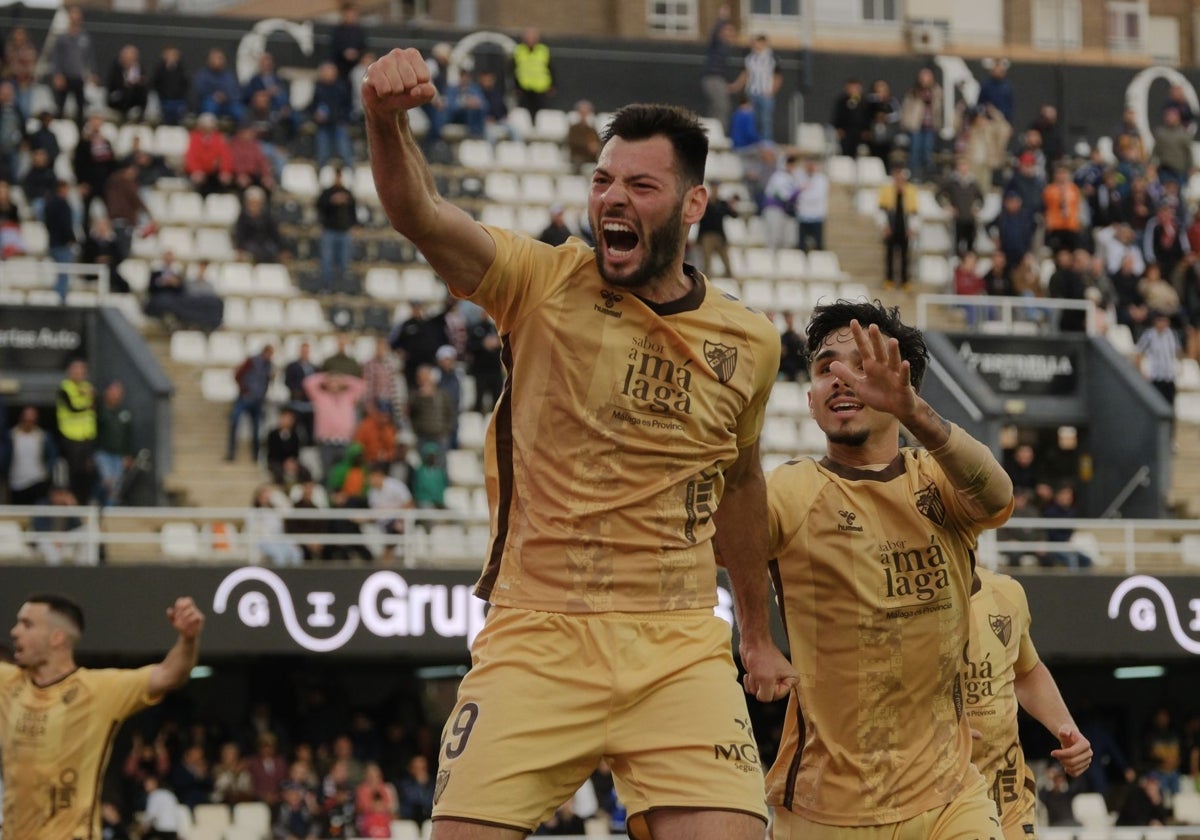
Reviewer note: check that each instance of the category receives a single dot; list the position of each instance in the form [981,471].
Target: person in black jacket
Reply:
[173,84]
[60,230]
[851,113]
[337,212]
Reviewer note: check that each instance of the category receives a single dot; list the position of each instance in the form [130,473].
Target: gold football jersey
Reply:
[606,452]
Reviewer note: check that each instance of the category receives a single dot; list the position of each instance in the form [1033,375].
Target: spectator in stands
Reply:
[127,88]
[76,413]
[12,242]
[1163,750]
[20,63]
[94,160]
[150,167]
[160,817]
[883,120]
[921,118]
[253,379]
[450,382]
[418,338]
[337,807]
[341,361]
[283,443]
[812,206]
[126,209]
[114,442]
[334,397]
[1144,803]
[432,413]
[710,233]
[743,128]
[216,88]
[43,137]
[267,770]
[1063,204]
[190,778]
[557,231]
[483,363]
[1156,353]
[968,282]
[256,234]
[180,302]
[997,90]
[12,132]
[533,72]
[1067,283]
[29,462]
[347,42]
[104,247]
[1173,148]
[714,78]
[495,108]
[266,80]
[997,280]
[372,788]
[330,111]
[583,141]
[962,194]
[387,497]
[761,79]
[384,386]
[779,204]
[376,433]
[416,791]
[265,526]
[207,161]
[248,163]
[231,780]
[172,83]
[1056,794]
[429,479]
[793,362]
[851,116]
[59,219]
[1165,241]
[898,201]
[465,105]
[273,133]
[337,213]
[1062,506]
[1051,140]
[294,375]
[112,824]
[39,182]
[298,815]
[1160,295]
[1013,230]
[1028,182]
[71,64]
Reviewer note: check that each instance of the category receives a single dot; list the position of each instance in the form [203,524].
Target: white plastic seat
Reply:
[406,830]
[475,154]
[551,124]
[532,220]
[779,434]
[383,282]
[189,347]
[235,278]
[824,265]
[300,180]
[934,270]
[759,294]
[499,215]
[1090,810]
[363,185]
[35,237]
[544,156]
[472,430]
[790,296]
[717,138]
[538,187]
[273,279]
[842,170]
[520,122]
[215,245]
[181,541]
[227,348]
[236,315]
[791,263]
[66,132]
[171,141]
[12,542]
[871,171]
[512,155]
[572,190]
[1186,804]
[184,208]
[306,314]
[724,166]
[463,468]
[265,313]
[934,239]
[503,187]
[254,817]
[758,262]
[421,284]
[812,138]
[178,240]
[788,398]
[221,210]
[217,385]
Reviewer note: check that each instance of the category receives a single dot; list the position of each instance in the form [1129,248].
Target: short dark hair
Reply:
[60,605]
[679,125]
[831,317]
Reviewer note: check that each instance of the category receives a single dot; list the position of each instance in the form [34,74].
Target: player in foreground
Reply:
[633,407]
[1002,670]
[874,549]
[58,720]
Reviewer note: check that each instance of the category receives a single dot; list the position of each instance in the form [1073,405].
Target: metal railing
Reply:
[1005,314]
[24,274]
[457,539]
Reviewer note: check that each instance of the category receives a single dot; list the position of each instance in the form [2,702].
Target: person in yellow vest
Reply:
[58,721]
[898,202]
[76,410]
[532,71]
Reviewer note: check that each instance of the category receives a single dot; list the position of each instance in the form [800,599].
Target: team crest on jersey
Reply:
[1002,626]
[722,359]
[439,786]
[929,502]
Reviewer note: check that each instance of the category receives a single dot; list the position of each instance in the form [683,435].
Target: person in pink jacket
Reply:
[335,398]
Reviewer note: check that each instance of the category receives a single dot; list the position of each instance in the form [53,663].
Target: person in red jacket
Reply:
[208,162]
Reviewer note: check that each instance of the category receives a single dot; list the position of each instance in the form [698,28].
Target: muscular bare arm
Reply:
[1038,694]
[176,667]
[741,544]
[455,245]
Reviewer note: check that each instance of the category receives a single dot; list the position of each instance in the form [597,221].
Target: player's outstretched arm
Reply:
[885,385]
[177,665]
[741,545]
[456,247]
[1038,694]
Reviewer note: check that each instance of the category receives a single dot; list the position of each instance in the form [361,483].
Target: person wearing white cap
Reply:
[447,362]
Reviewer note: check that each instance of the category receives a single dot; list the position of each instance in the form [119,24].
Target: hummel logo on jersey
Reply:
[1002,626]
[611,299]
[847,523]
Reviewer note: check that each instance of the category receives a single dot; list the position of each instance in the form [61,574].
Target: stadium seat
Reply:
[273,279]
[181,541]
[532,220]
[237,832]
[521,122]
[511,155]
[300,179]
[189,347]
[1186,805]
[928,208]
[853,291]
[821,293]
[812,138]
[463,468]
[472,429]
[137,274]
[215,245]
[503,187]
[475,154]
[779,434]
[406,830]
[758,262]
[551,124]
[724,166]
[871,172]
[221,210]
[253,816]
[36,239]
[234,278]
[265,314]
[788,398]
[791,296]
[572,190]
[228,348]
[791,264]
[759,294]
[421,284]
[457,499]
[12,542]
[717,138]
[1121,338]
[538,188]
[383,283]
[824,265]
[171,141]
[305,314]
[1091,811]
[934,239]
[842,171]
[184,208]
[180,241]
[543,156]
[12,297]
[934,270]
[499,215]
